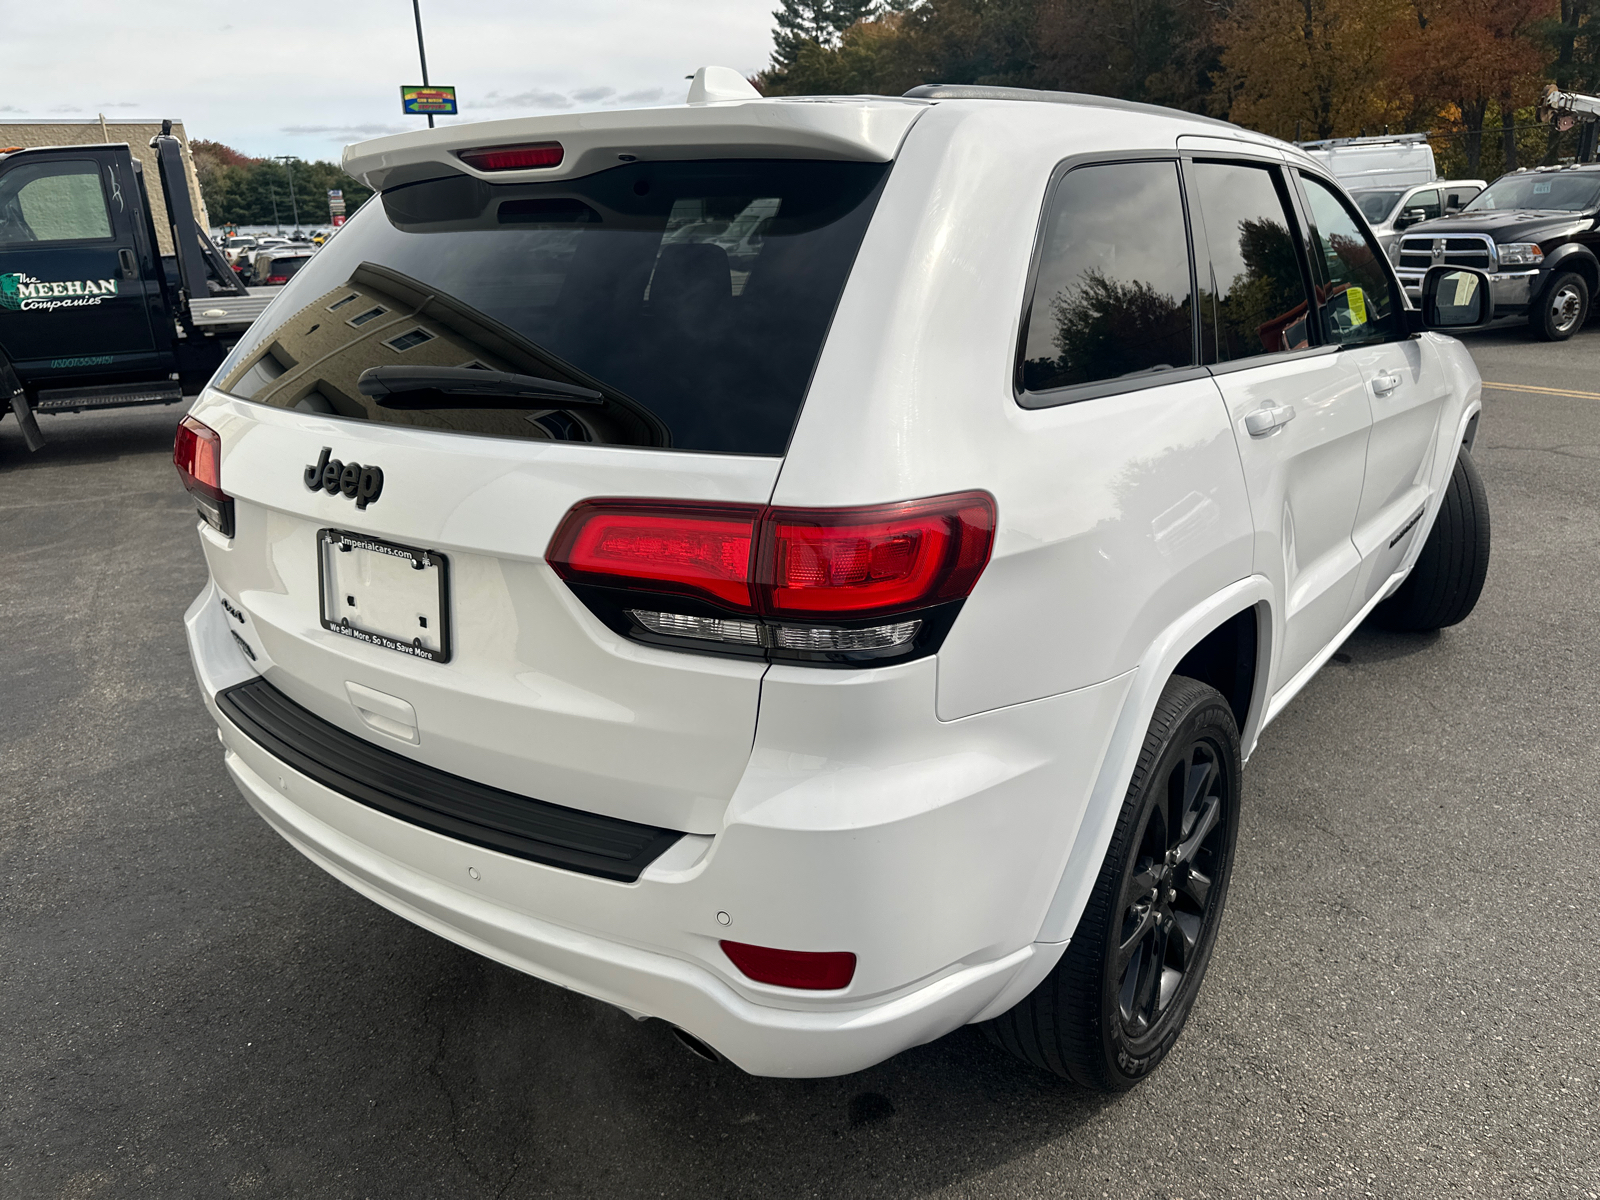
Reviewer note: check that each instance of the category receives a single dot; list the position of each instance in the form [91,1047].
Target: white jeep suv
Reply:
[810,570]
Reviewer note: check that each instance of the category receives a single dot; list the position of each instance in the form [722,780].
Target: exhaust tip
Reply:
[694,1045]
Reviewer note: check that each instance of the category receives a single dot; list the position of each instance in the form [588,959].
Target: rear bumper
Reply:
[930,850]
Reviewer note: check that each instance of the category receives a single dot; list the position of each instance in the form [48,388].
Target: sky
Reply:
[307,79]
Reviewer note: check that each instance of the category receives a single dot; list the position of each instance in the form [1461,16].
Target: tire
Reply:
[1444,586]
[1111,1009]
[1561,308]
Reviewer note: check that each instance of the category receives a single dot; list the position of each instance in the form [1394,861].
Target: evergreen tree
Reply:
[819,22]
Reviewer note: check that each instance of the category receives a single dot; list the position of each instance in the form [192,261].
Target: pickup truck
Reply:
[92,315]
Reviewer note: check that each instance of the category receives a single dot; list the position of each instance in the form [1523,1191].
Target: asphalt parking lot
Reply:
[1403,1001]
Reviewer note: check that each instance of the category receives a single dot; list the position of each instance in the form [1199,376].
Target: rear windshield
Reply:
[677,304]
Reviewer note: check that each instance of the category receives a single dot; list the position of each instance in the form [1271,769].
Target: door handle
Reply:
[1383,384]
[130,269]
[1269,417]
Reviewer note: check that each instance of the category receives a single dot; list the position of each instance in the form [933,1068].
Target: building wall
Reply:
[137,134]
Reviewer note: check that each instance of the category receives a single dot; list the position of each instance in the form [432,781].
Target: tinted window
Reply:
[1427,202]
[1354,298]
[1255,301]
[53,202]
[694,296]
[1572,192]
[1375,206]
[1112,297]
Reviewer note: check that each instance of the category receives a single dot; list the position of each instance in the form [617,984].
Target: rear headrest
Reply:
[693,275]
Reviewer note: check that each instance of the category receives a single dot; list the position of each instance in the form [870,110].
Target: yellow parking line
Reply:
[1541,391]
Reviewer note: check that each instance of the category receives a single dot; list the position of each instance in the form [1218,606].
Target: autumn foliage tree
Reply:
[1312,68]
[1295,68]
[1459,55]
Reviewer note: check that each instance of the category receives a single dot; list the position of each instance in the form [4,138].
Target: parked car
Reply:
[277,264]
[827,662]
[234,247]
[1392,210]
[1536,232]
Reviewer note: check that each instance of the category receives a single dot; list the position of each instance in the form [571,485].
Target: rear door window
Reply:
[1112,296]
[1254,297]
[688,299]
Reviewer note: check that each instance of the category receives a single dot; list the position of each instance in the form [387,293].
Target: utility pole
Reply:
[422,53]
[273,192]
[287,161]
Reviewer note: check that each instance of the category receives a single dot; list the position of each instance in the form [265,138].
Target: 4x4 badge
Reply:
[361,484]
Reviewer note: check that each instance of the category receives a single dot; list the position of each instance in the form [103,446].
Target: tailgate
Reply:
[536,696]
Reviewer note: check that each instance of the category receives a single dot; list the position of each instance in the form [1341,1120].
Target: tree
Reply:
[1463,54]
[242,190]
[813,22]
[1156,51]
[1312,68]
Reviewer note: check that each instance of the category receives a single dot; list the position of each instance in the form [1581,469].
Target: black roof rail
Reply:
[984,91]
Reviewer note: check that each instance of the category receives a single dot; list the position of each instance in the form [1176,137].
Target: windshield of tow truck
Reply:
[1568,192]
[1376,205]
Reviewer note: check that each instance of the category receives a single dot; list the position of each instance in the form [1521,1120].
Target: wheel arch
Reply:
[1578,259]
[1201,638]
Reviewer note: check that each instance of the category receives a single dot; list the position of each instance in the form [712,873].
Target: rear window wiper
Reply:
[414,388]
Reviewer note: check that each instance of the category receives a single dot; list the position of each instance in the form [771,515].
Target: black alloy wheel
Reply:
[1169,897]
[1114,1005]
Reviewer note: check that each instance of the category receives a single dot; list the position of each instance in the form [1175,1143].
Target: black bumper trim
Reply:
[437,800]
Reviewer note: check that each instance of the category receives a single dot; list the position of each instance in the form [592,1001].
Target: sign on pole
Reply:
[428,100]
[335,202]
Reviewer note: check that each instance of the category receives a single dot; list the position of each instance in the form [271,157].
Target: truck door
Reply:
[72,299]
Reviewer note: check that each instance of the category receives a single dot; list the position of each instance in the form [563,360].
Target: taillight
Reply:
[277,279]
[513,158]
[691,550]
[197,453]
[819,971]
[875,561]
[834,585]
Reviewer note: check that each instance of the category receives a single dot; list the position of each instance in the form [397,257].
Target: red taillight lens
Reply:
[807,563]
[197,453]
[808,969]
[513,158]
[696,550]
[868,561]
[277,279]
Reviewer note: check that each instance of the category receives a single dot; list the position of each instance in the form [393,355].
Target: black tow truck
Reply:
[92,315]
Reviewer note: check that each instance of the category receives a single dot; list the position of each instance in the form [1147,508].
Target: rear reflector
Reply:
[814,971]
[197,453]
[513,158]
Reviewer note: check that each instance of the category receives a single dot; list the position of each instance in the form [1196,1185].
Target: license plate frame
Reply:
[334,586]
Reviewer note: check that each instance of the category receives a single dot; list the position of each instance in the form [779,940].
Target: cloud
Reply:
[350,131]
[67,108]
[11,108]
[590,95]
[529,100]
[123,105]
[643,96]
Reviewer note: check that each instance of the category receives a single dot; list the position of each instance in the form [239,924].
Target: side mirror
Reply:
[1409,217]
[1454,300]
